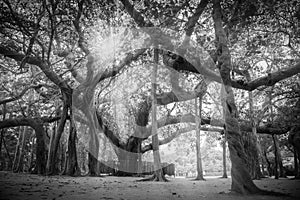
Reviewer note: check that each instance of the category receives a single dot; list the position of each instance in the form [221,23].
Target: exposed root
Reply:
[199,179]
[154,178]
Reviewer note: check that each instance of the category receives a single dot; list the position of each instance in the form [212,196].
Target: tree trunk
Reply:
[19,167]
[224,157]
[250,145]
[72,168]
[294,139]
[279,159]
[40,147]
[198,142]
[257,152]
[51,167]
[241,179]
[296,164]
[276,157]
[17,151]
[93,155]
[158,173]
[31,153]
[2,157]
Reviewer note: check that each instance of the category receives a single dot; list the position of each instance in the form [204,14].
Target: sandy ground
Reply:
[25,186]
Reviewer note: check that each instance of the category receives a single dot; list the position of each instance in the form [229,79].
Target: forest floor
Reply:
[26,186]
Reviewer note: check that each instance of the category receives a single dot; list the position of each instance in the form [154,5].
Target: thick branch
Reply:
[271,78]
[76,22]
[9,123]
[127,60]
[178,133]
[37,62]
[19,95]
[175,96]
[194,18]
[138,18]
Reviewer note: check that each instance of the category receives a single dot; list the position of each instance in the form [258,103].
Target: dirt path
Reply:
[25,186]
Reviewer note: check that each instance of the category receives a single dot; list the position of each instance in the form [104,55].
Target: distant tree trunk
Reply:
[241,179]
[17,151]
[19,167]
[280,164]
[276,157]
[51,167]
[40,147]
[31,153]
[25,132]
[2,157]
[294,139]
[198,146]
[263,168]
[296,164]
[250,145]
[140,162]
[72,168]
[158,173]
[257,152]
[269,167]
[224,157]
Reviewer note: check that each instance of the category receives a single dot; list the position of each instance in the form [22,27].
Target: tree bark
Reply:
[51,167]
[158,173]
[224,158]
[2,138]
[93,155]
[17,151]
[296,164]
[40,147]
[19,167]
[241,179]
[276,157]
[257,152]
[72,167]
[198,142]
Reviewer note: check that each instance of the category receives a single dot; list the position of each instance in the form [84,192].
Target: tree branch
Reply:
[194,18]
[268,80]
[137,16]
[9,123]
[19,95]
[178,133]
[7,52]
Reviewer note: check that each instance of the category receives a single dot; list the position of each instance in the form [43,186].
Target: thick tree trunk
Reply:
[224,157]
[93,154]
[51,167]
[241,179]
[198,142]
